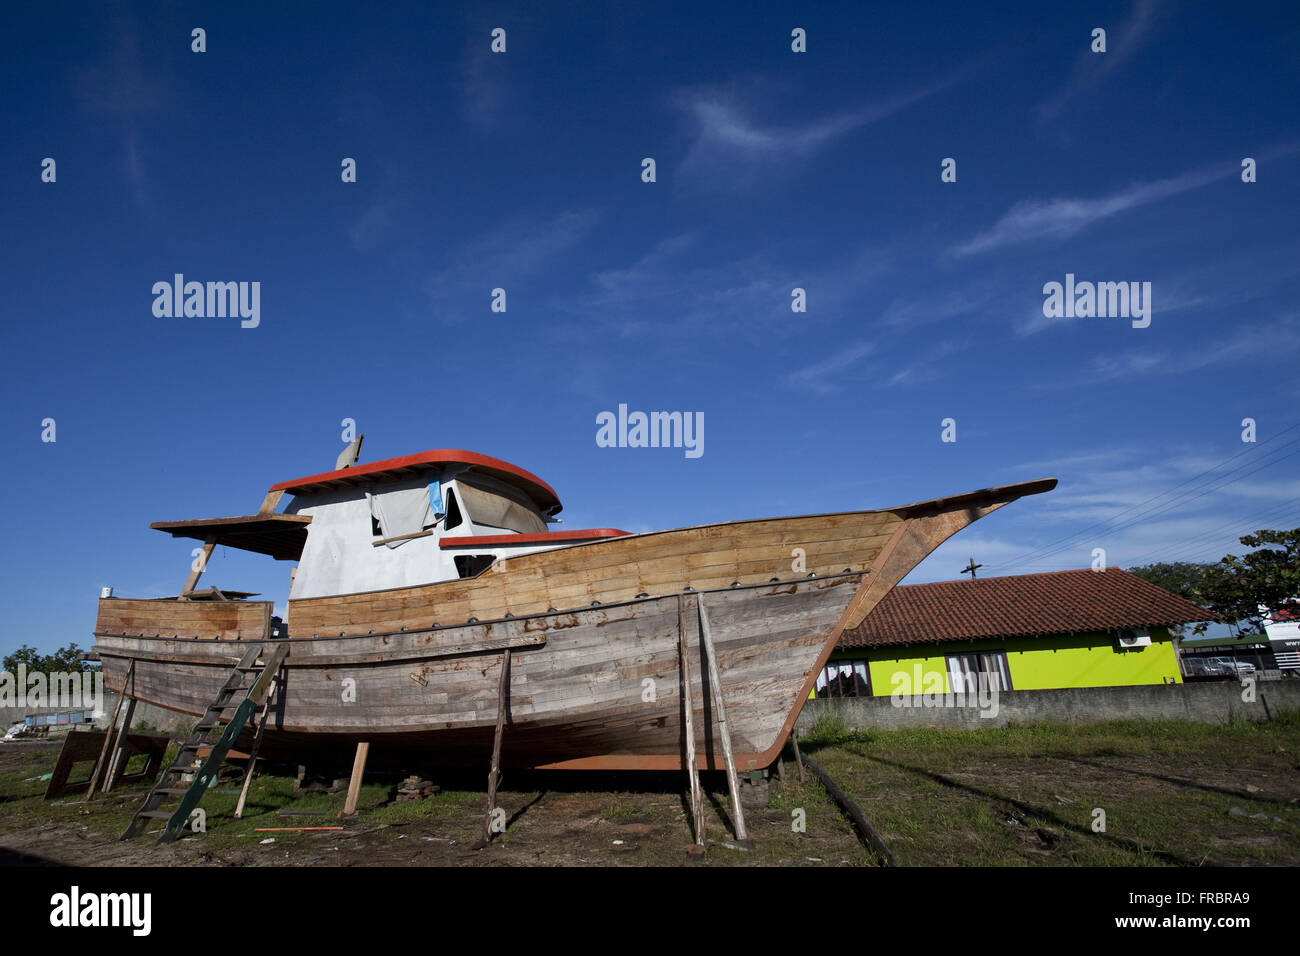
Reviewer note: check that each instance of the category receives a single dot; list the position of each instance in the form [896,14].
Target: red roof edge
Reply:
[542,493]
[542,537]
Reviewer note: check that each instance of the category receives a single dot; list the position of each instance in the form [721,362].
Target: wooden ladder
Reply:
[169,783]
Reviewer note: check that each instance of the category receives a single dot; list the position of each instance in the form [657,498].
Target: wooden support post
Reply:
[780,769]
[494,773]
[358,771]
[715,678]
[688,719]
[193,579]
[798,757]
[127,685]
[115,763]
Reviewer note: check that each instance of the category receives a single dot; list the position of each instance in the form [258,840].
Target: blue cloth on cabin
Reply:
[435,497]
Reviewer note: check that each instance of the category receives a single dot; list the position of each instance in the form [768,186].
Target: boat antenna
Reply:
[348,457]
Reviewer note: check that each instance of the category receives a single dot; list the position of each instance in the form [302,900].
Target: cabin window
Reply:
[404,511]
[454,517]
[497,509]
[472,565]
[844,679]
[970,672]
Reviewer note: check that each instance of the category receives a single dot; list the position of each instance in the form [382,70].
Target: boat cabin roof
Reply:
[539,492]
[281,536]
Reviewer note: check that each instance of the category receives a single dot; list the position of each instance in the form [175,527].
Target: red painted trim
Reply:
[543,537]
[544,495]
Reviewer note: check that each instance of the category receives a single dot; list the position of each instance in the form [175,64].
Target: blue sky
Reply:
[522,170]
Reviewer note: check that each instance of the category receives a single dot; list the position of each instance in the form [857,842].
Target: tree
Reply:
[1268,577]
[1236,587]
[1183,578]
[66,660]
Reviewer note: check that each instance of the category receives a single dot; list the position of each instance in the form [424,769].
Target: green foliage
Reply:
[1237,586]
[829,728]
[1269,576]
[66,660]
[1183,578]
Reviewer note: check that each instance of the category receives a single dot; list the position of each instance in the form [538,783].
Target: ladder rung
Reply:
[155,814]
[172,790]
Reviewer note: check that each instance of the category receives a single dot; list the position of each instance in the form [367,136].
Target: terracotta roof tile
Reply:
[1023,605]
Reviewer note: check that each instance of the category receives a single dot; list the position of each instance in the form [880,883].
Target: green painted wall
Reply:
[1074,660]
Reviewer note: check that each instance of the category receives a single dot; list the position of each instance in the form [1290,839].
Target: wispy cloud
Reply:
[1061,218]
[732,143]
[484,93]
[819,376]
[123,86]
[1091,70]
[374,226]
[1251,341]
[677,285]
[520,249]
[1113,499]
[923,369]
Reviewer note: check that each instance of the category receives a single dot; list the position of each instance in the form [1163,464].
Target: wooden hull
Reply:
[593,636]
[596,687]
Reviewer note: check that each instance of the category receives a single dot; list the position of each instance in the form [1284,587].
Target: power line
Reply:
[1198,481]
[1254,523]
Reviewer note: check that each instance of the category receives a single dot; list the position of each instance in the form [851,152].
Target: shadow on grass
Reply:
[1186,784]
[1042,813]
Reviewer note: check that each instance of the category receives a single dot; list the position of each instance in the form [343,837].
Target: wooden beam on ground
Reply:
[358,771]
[688,719]
[494,774]
[193,579]
[866,832]
[715,679]
[127,685]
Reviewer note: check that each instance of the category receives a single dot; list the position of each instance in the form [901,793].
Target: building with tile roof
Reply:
[1082,628]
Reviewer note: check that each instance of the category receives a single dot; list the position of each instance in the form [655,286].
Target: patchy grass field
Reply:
[554,819]
[1175,793]
[1172,793]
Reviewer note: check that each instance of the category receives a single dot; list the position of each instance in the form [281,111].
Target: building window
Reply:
[844,679]
[969,672]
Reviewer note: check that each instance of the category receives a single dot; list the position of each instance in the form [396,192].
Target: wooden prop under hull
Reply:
[591,687]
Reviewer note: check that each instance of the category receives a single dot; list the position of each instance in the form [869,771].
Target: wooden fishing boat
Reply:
[418,579]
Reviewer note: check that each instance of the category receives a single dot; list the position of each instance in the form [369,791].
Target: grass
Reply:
[1020,795]
[1164,791]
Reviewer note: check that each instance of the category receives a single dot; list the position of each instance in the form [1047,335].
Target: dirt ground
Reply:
[554,819]
[1117,794]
